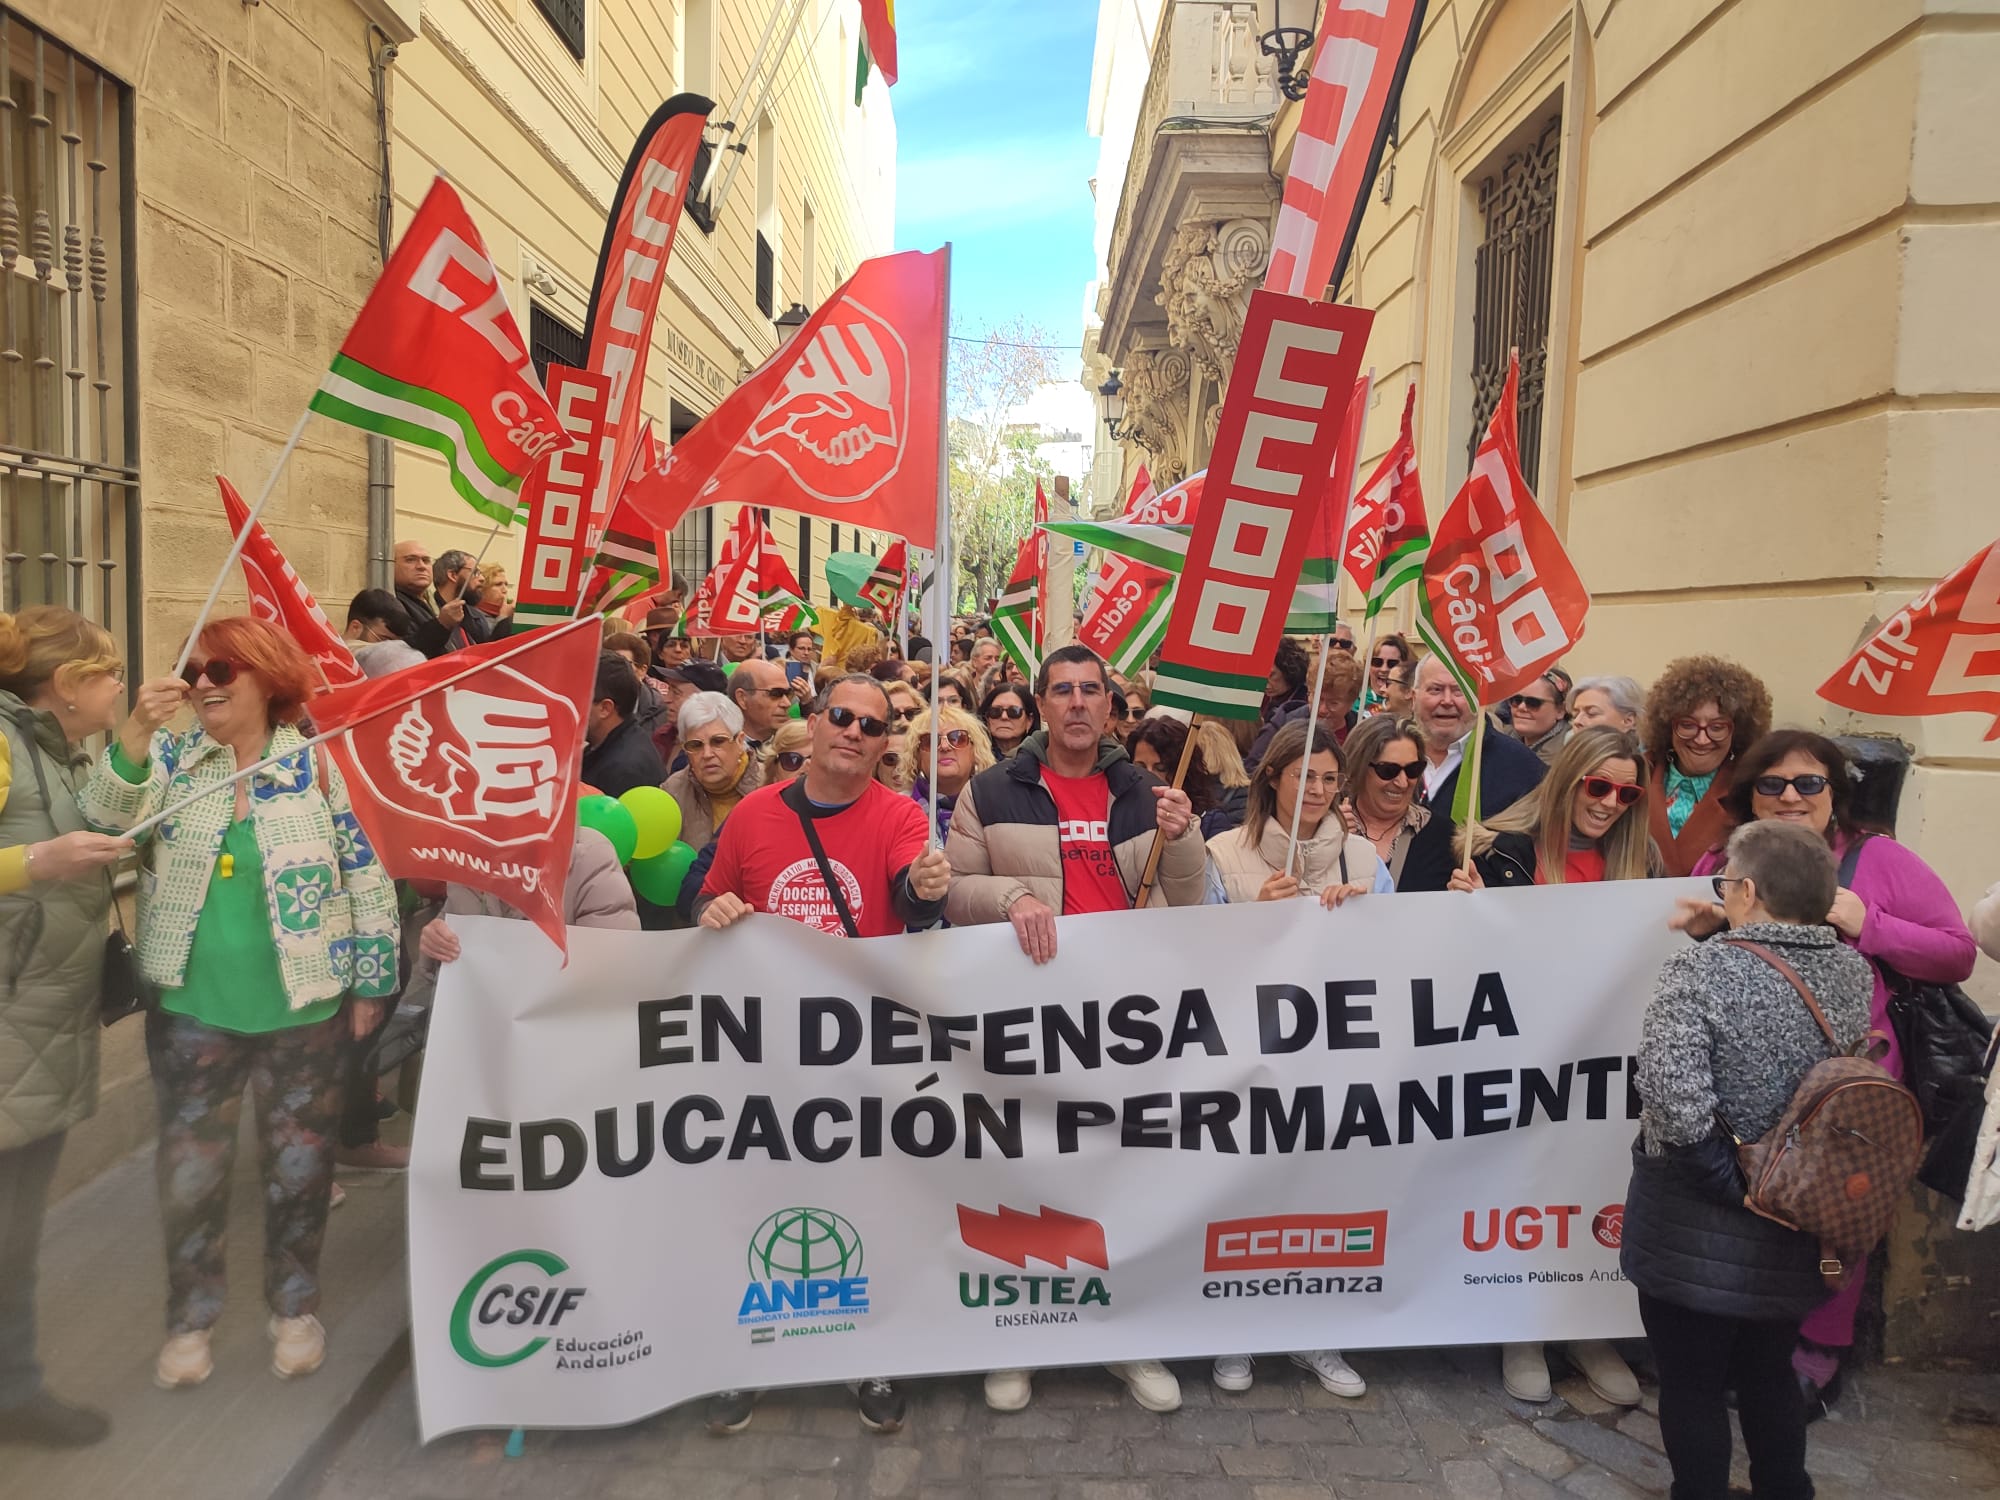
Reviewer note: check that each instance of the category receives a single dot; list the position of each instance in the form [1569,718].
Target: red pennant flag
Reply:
[841,422]
[1938,654]
[1041,566]
[1142,487]
[1500,596]
[884,587]
[1177,505]
[731,586]
[279,595]
[1335,510]
[466,768]
[1389,511]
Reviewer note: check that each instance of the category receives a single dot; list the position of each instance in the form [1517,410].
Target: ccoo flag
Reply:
[436,359]
[1389,536]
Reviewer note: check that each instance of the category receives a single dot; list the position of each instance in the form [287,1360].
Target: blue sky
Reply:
[992,154]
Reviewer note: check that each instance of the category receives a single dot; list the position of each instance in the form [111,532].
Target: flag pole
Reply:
[1305,764]
[943,540]
[528,643]
[242,536]
[487,543]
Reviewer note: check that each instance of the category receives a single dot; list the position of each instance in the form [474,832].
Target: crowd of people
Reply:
[274,940]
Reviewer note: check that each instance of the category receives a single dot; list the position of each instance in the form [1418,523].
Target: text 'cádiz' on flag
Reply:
[436,359]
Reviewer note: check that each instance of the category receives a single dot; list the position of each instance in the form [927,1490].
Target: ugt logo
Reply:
[839,421]
[804,1263]
[488,1307]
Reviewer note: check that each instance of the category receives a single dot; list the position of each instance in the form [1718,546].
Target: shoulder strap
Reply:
[1792,977]
[1850,861]
[833,891]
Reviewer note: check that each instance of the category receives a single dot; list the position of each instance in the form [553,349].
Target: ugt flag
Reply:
[436,359]
[1938,654]
[466,768]
[841,422]
[279,595]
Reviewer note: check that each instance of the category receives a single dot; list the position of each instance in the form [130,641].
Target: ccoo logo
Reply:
[839,421]
[493,1305]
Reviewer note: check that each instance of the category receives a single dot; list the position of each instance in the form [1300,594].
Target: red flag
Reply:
[1334,510]
[279,595]
[1500,596]
[842,422]
[1389,511]
[466,768]
[731,585]
[1359,59]
[1041,566]
[878,33]
[1177,505]
[559,549]
[1142,487]
[1938,654]
[884,587]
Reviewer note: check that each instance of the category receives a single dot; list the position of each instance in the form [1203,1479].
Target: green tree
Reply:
[993,465]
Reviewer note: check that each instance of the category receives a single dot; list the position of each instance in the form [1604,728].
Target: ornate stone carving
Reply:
[1206,277]
[1156,406]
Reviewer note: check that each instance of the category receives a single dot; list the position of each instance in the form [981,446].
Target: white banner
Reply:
[695,1161]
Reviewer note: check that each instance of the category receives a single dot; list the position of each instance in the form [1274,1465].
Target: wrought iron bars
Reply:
[1512,271]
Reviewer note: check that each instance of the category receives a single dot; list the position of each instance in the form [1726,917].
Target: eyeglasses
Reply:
[1805,786]
[775,694]
[892,758]
[1530,702]
[958,739]
[1391,770]
[842,717]
[791,760]
[1597,788]
[719,742]
[1340,645]
[220,670]
[1006,711]
[1326,781]
[902,716]
[1721,880]
[1076,690]
[1385,661]
[1713,730]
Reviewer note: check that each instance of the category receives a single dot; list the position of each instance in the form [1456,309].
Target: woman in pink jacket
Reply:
[1891,907]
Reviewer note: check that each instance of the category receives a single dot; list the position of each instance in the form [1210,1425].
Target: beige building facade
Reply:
[1746,250]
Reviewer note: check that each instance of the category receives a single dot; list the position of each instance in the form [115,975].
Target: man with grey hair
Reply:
[1612,701]
[720,769]
[1508,771]
[457,574]
[762,692]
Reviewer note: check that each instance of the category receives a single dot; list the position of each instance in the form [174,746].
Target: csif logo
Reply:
[488,1307]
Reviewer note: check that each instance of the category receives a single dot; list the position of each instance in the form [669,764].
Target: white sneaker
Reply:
[1606,1371]
[298,1346]
[1009,1390]
[1232,1373]
[1335,1373]
[1151,1383]
[184,1361]
[1524,1372]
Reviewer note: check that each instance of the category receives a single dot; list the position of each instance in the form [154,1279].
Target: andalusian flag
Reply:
[1314,598]
[627,565]
[1388,538]
[436,359]
[885,585]
[1014,623]
[779,597]
[878,43]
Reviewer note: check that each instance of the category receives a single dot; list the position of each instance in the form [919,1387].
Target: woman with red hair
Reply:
[270,929]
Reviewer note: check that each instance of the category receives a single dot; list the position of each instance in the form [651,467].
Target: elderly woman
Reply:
[1616,701]
[1385,760]
[1010,715]
[60,679]
[720,769]
[1701,714]
[1216,782]
[963,751]
[1726,1038]
[1890,907]
[1576,827]
[1540,714]
[262,913]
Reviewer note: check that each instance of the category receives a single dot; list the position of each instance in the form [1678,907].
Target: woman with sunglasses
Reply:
[963,751]
[1701,714]
[1385,757]
[1008,711]
[1890,906]
[61,677]
[1390,656]
[1539,714]
[262,913]
[1580,825]
[786,753]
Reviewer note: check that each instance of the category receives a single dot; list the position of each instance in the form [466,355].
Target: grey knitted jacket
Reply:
[1726,1033]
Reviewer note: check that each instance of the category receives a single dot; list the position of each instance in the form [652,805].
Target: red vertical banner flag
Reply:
[731,585]
[279,595]
[1938,654]
[1360,56]
[1500,599]
[1274,446]
[465,769]
[559,549]
[1041,566]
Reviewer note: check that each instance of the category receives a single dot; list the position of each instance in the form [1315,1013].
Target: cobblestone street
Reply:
[1434,1424]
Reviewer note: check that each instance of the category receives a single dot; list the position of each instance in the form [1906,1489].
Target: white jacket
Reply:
[1243,869]
[1982,1187]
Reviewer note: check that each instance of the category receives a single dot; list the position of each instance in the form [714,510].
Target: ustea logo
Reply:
[839,421]
[491,1314]
[1050,1236]
[1289,1242]
[805,1269]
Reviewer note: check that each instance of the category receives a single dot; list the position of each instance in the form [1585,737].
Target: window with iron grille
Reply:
[767,275]
[692,548]
[551,341]
[69,483]
[1513,273]
[566,16]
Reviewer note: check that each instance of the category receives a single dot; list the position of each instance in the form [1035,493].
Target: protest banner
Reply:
[768,1156]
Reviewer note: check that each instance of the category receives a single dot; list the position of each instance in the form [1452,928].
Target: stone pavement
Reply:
[1434,1424]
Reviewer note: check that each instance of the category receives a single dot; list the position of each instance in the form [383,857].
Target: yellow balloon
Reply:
[658,817]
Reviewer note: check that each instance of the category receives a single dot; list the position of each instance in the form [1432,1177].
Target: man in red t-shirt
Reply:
[837,850]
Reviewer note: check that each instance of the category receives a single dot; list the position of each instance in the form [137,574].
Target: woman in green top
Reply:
[261,909]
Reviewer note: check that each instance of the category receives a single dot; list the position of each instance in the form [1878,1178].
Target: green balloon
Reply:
[612,819]
[660,878]
[658,817]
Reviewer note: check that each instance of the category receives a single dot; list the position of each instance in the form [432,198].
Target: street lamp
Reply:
[1111,396]
[789,322]
[1285,43]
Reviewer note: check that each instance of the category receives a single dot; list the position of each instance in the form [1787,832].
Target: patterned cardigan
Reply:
[332,907]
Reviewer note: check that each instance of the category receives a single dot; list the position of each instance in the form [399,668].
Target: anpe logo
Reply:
[490,1306]
[1282,1242]
[1050,1236]
[805,1265]
[1609,1226]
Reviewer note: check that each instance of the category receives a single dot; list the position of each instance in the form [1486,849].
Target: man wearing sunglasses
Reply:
[764,695]
[1508,771]
[1064,826]
[837,850]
